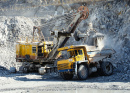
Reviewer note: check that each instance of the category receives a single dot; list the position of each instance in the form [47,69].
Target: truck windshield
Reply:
[72,53]
[80,52]
[65,55]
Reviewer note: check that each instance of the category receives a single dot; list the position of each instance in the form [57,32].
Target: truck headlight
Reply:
[70,60]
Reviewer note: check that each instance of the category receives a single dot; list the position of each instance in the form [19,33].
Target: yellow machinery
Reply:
[82,60]
[41,55]
[33,50]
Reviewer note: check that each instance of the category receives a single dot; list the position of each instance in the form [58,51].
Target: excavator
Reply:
[42,55]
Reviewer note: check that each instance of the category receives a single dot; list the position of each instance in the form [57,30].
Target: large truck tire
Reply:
[25,69]
[82,72]
[66,76]
[106,68]
[31,68]
[42,70]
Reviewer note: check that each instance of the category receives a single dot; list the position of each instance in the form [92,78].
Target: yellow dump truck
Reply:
[82,60]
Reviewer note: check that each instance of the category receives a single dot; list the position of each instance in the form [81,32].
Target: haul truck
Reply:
[42,55]
[82,60]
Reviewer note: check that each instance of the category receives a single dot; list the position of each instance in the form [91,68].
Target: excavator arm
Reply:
[61,37]
[41,36]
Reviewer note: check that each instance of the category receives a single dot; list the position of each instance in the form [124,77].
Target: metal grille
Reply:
[63,66]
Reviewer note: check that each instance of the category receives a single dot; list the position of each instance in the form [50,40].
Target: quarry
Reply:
[107,18]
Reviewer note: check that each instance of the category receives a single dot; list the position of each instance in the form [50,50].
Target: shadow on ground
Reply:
[56,77]
[115,77]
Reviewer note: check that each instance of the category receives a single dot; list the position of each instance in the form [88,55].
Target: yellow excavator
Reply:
[33,50]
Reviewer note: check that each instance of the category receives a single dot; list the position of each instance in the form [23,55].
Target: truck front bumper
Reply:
[66,70]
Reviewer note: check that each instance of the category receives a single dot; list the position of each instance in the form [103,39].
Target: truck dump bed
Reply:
[97,55]
[94,53]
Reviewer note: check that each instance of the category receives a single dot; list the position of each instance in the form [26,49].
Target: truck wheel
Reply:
[66,76]
[25,69]
[106,68]
[42,70]
[31,68]
[82,72]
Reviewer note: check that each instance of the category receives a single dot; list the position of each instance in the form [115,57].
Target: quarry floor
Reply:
[52,83]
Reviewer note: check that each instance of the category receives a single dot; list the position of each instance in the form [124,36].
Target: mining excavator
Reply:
[42,54]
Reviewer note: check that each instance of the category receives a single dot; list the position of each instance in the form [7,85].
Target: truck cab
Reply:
[69,57]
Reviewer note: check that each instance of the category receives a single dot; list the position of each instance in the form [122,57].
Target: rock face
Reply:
[108,18]
[34,2]
[11,28]
[113,20]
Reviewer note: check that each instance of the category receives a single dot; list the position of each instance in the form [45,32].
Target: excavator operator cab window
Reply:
[40,51]
[33,49]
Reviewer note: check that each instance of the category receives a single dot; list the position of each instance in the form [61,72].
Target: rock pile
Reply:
[10,29]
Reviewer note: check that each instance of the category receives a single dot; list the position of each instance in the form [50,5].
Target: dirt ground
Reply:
[33,82]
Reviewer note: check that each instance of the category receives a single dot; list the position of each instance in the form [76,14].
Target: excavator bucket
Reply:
[63,36]
[84,11]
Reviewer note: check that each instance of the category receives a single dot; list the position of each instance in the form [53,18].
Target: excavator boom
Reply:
[41,36]
[62,37]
